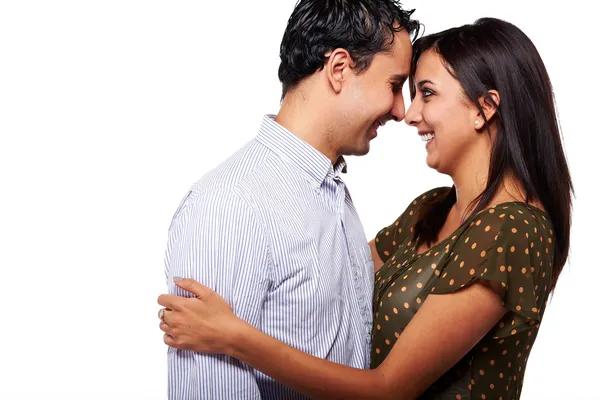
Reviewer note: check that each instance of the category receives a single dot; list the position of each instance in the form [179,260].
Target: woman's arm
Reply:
[444,329]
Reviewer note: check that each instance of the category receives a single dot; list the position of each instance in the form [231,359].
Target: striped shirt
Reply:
[273,230]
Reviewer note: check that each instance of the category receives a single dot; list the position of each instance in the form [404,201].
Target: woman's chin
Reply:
[431,162]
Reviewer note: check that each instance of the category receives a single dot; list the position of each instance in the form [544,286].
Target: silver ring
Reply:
[161,314]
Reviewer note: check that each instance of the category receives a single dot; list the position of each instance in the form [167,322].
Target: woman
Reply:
[464,274]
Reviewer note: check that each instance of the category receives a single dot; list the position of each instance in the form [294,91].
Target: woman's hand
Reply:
[204,323]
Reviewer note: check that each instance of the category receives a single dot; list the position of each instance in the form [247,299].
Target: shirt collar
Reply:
[313,164]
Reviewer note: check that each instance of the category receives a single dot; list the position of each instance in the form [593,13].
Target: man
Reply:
[273,229]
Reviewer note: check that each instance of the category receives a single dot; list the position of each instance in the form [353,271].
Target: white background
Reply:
[110,110]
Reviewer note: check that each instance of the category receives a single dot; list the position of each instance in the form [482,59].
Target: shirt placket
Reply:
[355,264]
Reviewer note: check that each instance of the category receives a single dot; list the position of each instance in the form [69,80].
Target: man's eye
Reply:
[397,87]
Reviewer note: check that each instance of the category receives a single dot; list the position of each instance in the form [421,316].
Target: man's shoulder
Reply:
[246,176]
[230,174]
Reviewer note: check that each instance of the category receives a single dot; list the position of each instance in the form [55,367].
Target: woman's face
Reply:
[445,117]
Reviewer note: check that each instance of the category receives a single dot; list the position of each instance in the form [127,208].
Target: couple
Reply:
[283,297]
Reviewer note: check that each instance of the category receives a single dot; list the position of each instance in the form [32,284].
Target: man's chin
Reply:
[363,151]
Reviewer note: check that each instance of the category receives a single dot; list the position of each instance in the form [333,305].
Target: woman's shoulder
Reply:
[513,215]
[513,227]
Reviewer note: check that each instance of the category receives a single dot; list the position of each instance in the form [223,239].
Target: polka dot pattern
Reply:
[509,244]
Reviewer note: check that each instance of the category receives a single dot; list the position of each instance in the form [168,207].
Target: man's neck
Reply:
[308,122]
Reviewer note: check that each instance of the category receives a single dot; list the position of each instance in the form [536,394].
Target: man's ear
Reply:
[338,68]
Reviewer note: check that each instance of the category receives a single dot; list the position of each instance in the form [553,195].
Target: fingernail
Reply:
[177,279]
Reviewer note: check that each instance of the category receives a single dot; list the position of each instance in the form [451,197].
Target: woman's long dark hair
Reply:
[494,54]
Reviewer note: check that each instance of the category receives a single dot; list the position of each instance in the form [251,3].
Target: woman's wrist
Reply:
[237,342]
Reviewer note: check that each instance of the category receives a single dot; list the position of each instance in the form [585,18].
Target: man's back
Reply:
[273,230]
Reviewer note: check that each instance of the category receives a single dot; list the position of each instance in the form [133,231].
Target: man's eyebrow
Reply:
[399,78]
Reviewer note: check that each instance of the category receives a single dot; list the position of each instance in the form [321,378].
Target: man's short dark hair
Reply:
[362,27]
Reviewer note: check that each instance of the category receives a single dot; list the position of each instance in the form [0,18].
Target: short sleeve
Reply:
[390,238]
[506,247]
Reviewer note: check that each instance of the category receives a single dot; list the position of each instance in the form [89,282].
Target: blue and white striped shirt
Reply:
[273,230]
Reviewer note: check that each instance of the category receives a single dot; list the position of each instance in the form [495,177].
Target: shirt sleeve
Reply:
[218,240]
[503,247]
